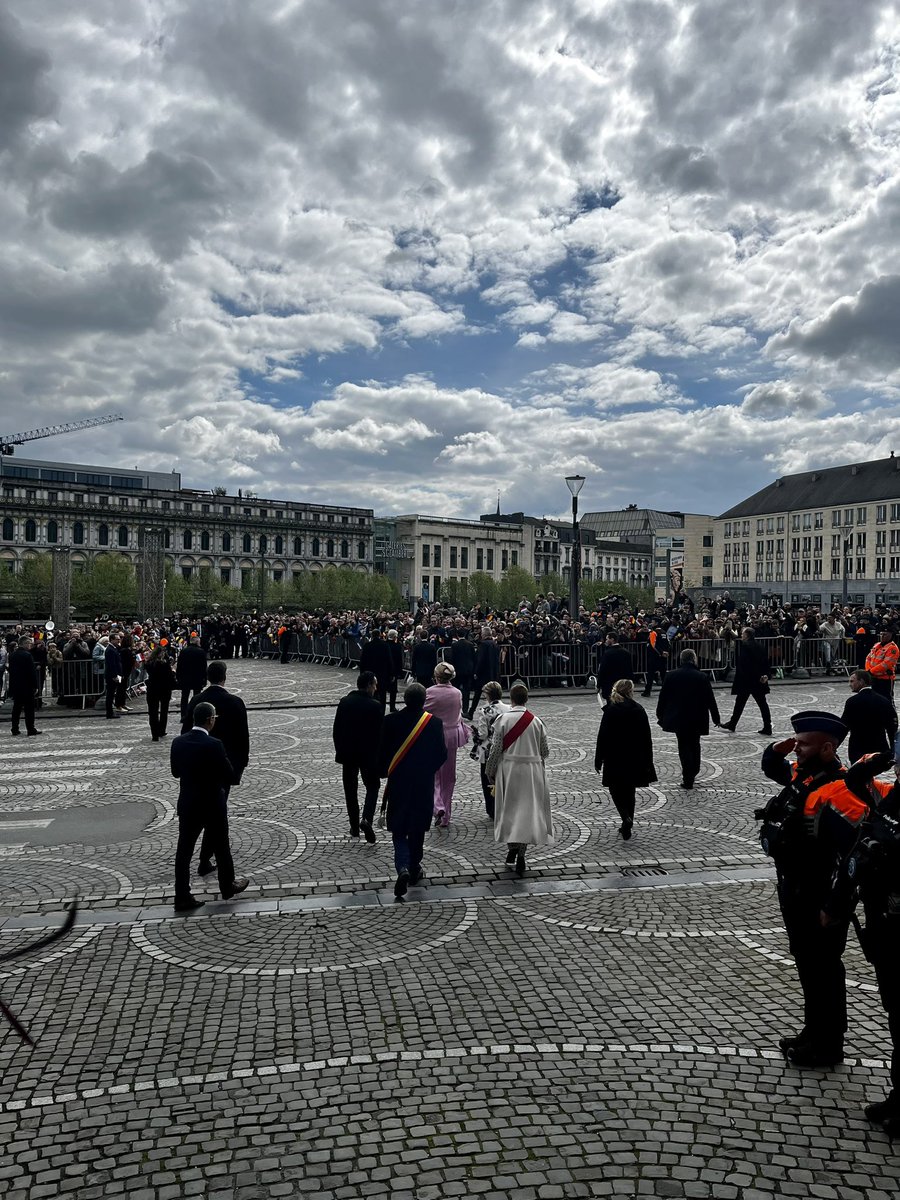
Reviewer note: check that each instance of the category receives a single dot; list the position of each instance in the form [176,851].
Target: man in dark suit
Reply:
[423,661]
[23,685]
[112,673]
[410,752]
[686,702]
[201,765]
[487,666]
[355,733]
[190,671]
[615,664]
[870,717]
[462,656]
[376,659]
[396,652]
[751,678]
[232,731]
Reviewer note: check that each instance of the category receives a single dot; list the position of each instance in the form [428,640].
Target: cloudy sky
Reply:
[405,255]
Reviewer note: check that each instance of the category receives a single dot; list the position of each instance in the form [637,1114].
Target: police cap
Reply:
[813,721]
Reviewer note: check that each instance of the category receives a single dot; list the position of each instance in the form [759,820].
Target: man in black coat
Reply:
[199,762]
[462,656]
[396,652]
[751,678]
[112,673]
[686,702]
[410,752]
[232,730]
[355,733]
[487,667]
[377,659]
[23,685]
[870,717]
[615,663]
[424,660]
[190,671]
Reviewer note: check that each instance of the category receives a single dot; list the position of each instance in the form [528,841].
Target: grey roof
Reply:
[831,487]
[629,522]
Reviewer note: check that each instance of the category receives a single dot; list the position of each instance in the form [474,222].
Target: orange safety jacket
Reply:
[881,661]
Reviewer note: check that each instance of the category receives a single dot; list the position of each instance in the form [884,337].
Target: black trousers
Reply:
[486,791]
[213,824]
[187,695]
[464,683]
[111,688]
[392,694]
[689,755]
[817,952]
[158,712]
[350,773]
[882,949]
[883,687]
[23,705]
[623,797]
[740,703]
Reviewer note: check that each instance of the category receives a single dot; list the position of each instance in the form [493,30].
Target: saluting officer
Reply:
[808,829]
[871,874]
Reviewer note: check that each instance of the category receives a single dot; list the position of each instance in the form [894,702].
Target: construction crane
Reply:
[8,444]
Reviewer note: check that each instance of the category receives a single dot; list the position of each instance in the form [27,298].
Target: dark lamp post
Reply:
[574,483]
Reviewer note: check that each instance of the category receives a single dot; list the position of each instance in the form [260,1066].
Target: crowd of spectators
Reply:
[539,639]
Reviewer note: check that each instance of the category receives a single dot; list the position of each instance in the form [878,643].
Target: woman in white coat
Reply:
[516,767]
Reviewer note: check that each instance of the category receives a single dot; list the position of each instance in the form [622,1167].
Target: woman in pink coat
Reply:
[445,701]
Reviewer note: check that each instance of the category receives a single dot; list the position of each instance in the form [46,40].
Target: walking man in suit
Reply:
[870,717]
[355,733]
[199,762]
[410,753]
[190,671]
[233,732]
[112,673]
[23,685]
[686,702]
[751,678]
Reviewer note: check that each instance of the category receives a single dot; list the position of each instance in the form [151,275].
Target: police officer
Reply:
[871,874]
[808,829]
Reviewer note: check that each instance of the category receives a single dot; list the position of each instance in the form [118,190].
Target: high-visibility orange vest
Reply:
[881,661]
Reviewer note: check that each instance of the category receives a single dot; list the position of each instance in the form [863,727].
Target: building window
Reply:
[167,539]
[226,510]
[862,515]
[880,513]
[298,545]
[490,560]
[279,513]
[278,576]
[329,548]
[795,522]
[8,529]
[707,560]
[728,529]
[263,543]
[504,560]
[123,535]
[30,531]
[186,572]
[52,497]
[246,543]
[361,550]
[188,507]
[166,505]
[187,540]
[316,547]
[345,549]
[707,540]
[279,544]
[103,535]
[426,555]
[345,520]
[123,502]
[226,542]
[464,558]
[807,520]
[77,533]
[453,558]
[759,525]
[479,559]
[895,512]
[515,558]
[819,521]
[225,575]
[437,557]
[204,540]
[264,512]
[779,524]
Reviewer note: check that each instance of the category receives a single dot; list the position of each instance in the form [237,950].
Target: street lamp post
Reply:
[574,483]
[847,533]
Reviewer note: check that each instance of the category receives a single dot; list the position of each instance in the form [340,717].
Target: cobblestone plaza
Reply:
[606,1026]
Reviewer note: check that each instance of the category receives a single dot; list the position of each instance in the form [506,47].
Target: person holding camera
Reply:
[870,875]
[808,829]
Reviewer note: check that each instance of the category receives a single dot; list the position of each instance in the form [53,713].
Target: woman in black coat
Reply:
[624,751]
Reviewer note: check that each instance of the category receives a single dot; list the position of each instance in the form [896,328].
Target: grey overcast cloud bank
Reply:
[363,251]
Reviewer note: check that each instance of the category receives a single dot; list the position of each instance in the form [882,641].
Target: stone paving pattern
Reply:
[603,1028]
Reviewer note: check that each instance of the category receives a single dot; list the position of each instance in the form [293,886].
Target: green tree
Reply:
[553,583]
[179,594]
[482,589]
[594,590]
[107,585]
[33,585]
[515,583]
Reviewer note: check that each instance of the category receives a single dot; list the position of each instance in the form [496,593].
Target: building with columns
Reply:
[98,510]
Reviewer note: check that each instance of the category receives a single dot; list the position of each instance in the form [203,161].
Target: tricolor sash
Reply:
[409,742]
[518,729]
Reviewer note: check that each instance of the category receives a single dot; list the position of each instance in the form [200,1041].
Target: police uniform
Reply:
[808,829]
[871,874]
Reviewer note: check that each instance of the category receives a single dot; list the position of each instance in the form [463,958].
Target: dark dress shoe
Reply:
[788,1043]
[727,725]
[154,739]
[367,831]
[205,868]
[416,877]
[626,831]
[402,884]
[687,786]
[188,904]
[815,1058]
[520,863]
[354,833]
[767,732]
[239,885]
[15,732]
[510,857]
[891,1126]
[882,1111]
[35,732]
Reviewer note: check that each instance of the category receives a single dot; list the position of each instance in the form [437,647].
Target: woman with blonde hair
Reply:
[624,751]
[445,701]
